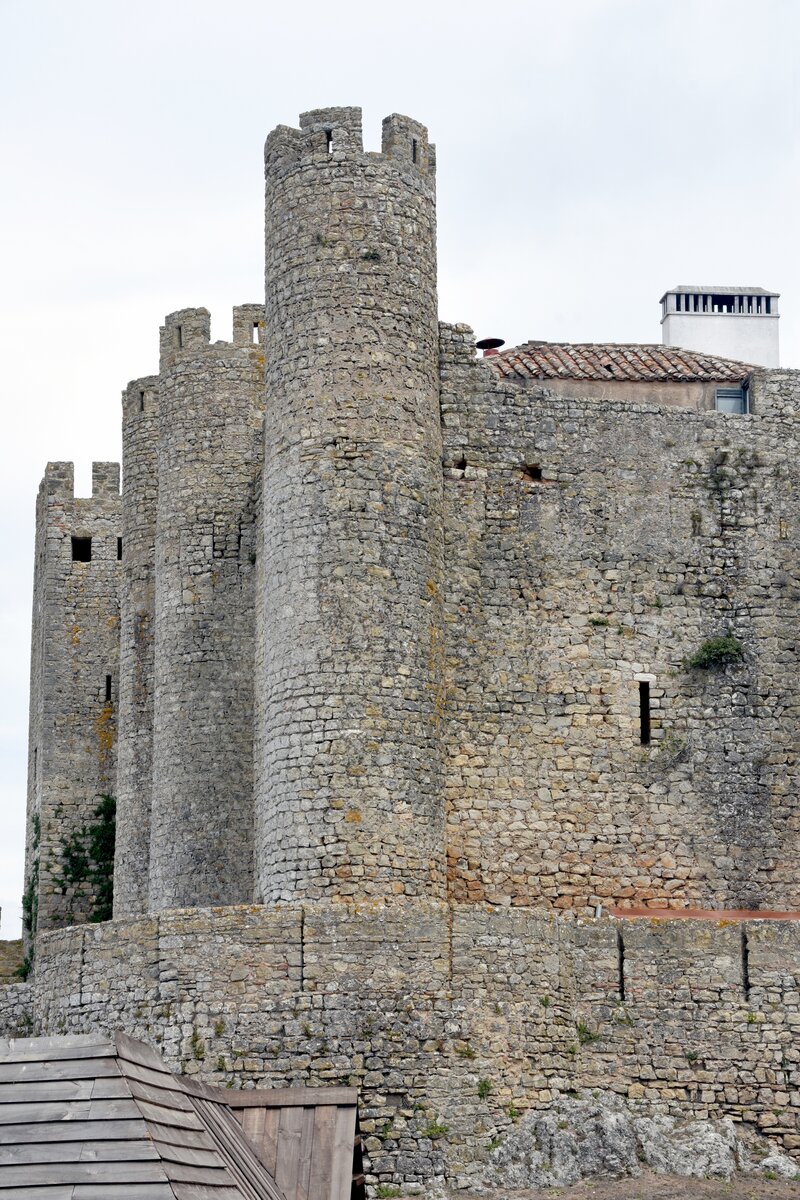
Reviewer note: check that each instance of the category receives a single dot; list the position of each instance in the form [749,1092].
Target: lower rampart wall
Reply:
[16,1010]
[451,1021]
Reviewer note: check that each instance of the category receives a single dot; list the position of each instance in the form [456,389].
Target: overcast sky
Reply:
[591,154]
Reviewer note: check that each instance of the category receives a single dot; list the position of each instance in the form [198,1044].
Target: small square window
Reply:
[81,549]
[730,400]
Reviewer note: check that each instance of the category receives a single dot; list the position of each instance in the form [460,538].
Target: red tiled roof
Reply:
[608,360]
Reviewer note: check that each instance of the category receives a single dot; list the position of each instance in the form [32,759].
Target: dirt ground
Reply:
[10,961]
[660,1187]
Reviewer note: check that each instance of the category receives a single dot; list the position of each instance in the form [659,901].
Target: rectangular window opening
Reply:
[730,400]
[81,549]
[745,965]
[413,149]
[620,965]
[329,140]
[108,688]
[179,333]
[255,333]
[644,712]
[119,548]
[141,401]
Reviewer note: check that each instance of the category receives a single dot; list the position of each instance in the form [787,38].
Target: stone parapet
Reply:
[450,1021]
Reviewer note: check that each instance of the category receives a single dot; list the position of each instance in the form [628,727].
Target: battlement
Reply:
[335,135]
[248,325]
[105,479]
[140,396]
[187,332]
[184,332]
[59,480]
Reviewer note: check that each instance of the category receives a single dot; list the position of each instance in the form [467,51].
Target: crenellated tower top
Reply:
[335,135]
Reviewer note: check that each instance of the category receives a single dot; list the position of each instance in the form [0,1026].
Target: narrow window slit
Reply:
[329,140]
[141,401]
[179,332]
[745,965]
[644,712]
[255,333]
[119,547]
[108,687]
[620,965]
[413,149]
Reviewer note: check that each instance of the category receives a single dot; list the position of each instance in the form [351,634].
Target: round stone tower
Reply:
[348,789]
[140,403]
[209,458]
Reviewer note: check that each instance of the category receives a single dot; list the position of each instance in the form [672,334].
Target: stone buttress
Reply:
[348,793]
[209,453]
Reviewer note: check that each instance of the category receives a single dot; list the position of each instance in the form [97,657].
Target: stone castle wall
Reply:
[399,641]
[16,1009]
[140,432]
[74,685]
[411,659]
[209,453]
[451,1021]
[592,547]
[348,796]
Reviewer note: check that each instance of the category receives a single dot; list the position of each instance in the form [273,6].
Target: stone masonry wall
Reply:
[452,1023]
[593,547]
[210,451]
[16,1010]
[74,680]
[140,431]
[348,795]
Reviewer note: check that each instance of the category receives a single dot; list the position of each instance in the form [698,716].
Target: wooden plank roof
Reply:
[81,1116]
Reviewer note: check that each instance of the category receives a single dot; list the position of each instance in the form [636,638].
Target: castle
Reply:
[429,688]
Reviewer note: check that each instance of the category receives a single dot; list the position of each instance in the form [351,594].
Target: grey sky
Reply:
[592,153]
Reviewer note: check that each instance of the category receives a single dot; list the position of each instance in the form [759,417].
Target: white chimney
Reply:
[739,323]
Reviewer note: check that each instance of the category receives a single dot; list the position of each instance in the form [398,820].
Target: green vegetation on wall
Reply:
[30,899]
[88,857]
[716,653]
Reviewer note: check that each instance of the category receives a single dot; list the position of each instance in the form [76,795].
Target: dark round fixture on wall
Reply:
[490,345]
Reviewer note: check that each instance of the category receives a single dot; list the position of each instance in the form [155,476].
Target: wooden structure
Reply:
[82,1118]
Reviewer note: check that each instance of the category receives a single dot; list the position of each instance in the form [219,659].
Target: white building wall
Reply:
[742,336]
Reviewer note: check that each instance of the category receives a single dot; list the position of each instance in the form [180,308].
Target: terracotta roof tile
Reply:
[609,360]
